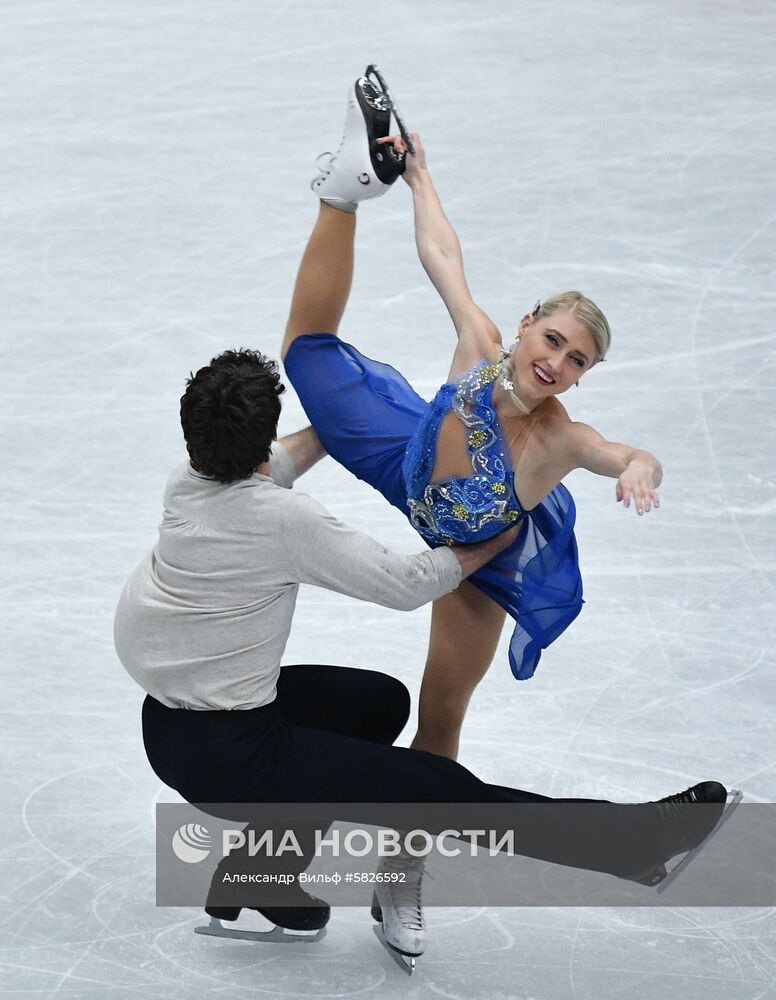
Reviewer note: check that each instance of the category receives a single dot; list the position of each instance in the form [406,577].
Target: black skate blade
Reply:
[372,70]
[278,935]
[405,962]
[735,797]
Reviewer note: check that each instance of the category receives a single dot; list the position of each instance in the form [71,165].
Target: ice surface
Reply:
[155,166]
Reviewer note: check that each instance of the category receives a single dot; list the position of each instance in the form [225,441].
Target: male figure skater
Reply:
[203,620]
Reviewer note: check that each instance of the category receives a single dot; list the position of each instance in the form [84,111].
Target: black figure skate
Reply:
[300,918]
[363,168]
[688,830]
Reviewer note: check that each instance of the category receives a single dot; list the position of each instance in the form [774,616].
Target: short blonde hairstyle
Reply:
[586,311]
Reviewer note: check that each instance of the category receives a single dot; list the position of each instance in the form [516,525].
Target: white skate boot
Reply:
[398,908]
[361,168]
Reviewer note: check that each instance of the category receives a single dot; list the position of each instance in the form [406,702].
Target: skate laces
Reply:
[324,169]
[407,897]
[673,803]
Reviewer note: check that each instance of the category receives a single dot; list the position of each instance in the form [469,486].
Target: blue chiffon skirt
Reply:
[365,414]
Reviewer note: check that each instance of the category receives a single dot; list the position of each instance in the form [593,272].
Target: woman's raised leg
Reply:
[465,629]
[325,276]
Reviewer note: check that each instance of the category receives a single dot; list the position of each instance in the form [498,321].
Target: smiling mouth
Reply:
[541,376]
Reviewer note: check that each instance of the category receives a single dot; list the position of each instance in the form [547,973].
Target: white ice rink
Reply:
[154,189]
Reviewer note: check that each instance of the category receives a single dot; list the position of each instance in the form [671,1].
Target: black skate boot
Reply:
[303,914]
[285,904]
[362,168]
[300,911]
[686,829]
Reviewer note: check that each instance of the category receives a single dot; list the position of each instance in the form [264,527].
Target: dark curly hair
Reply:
[229,414]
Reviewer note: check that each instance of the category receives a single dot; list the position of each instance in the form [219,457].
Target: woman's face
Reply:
[553,353]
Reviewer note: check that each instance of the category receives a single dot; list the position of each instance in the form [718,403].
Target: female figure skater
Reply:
[492,447]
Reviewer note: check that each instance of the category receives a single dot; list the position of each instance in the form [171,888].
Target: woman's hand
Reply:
[440,254]
[414,165]
[637,483]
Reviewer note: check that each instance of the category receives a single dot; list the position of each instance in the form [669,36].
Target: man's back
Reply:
[209,609]
[203,621]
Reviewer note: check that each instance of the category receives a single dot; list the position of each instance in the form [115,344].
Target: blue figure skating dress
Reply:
[372,421]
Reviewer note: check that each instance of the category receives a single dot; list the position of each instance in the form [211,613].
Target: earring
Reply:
[577,383]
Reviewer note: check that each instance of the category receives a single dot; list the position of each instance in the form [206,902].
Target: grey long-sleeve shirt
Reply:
[203,620]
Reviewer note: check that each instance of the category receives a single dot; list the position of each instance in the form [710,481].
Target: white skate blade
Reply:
[405,962]
[735,797]
[278,935]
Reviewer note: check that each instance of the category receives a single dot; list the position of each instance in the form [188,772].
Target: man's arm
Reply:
[304,449]
[293,454]
[327,553]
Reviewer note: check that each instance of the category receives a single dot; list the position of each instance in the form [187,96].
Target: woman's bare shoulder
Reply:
[553,415]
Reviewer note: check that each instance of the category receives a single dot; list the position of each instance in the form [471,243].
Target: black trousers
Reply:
[327,739]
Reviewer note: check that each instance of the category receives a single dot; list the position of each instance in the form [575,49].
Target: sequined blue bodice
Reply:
[461,509]
[370,419]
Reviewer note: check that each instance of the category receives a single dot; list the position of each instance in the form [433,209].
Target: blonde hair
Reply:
[586,311]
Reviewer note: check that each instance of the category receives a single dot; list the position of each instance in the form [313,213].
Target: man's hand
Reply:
[471,557]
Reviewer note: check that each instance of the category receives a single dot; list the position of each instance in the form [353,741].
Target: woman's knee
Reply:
[448,686]
[442,712]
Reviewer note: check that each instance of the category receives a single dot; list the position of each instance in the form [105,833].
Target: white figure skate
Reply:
[361,168]
[398,908]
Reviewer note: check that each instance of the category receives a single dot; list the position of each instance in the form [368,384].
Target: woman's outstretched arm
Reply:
[638,473]
[440,254]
